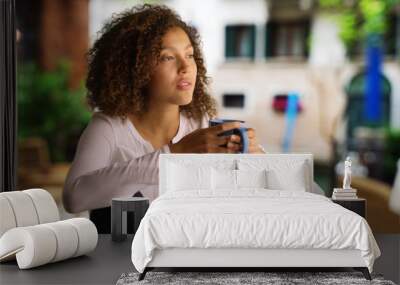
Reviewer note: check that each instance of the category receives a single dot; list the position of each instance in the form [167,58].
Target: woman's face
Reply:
[174,77]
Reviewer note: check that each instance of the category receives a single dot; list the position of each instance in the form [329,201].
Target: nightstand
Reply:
[358,205]
[119,209]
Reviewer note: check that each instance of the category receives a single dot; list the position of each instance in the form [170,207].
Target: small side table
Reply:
[119,209]
[358,205]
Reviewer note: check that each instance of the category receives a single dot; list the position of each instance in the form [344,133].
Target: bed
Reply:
[246,211]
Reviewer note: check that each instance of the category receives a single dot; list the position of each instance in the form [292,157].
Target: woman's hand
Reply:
[207,140]
[254,146]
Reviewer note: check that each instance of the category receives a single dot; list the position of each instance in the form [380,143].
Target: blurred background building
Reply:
[261,55]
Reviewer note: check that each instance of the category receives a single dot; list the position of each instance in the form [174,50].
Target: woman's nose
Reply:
[184,65]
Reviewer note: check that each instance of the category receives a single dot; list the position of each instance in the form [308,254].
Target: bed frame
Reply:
[242,259]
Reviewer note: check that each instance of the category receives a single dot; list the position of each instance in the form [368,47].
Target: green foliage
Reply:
[330,3]
[392,153]
[347,25]
[49,109]
[374,15]
[360,19]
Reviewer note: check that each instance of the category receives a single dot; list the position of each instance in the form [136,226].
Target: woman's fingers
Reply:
[221,140]
[234,138]
[219,149]
[251,133]
[229,144]
[225,147]
[237,140]
[224,127]
[253,142]
[234,146]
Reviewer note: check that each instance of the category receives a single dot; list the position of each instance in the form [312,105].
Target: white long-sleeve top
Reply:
[113,160]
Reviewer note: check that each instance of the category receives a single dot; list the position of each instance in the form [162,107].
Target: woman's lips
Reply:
[184,85]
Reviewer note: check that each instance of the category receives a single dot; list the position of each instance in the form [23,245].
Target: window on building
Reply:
[233,100]
[240,41]
[288,39]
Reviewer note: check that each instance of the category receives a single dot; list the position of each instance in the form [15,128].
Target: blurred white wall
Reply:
[327,49]
[101,11]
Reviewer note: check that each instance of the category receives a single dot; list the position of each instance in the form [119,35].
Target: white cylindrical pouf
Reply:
[87,235]
[34,245]
[45,205]
[7,217]
[23,207]
[67,239]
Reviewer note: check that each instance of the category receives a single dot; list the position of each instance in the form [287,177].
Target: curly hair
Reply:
[122,59]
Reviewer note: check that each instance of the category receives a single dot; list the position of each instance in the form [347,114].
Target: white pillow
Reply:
[182,177]
[223,179]
[282,174]
[228,179]
[251,178]
[293,181]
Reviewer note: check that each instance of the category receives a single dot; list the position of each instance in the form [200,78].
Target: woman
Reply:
[147,83]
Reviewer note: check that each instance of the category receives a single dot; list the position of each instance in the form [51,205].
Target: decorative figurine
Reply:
[347,174]
[346,192]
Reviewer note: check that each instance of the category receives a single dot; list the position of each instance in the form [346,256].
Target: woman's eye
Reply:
[190,56]
[167,58]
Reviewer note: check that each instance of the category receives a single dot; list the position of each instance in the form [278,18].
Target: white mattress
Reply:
[252,218]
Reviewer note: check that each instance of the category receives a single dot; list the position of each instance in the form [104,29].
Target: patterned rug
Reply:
[242,278]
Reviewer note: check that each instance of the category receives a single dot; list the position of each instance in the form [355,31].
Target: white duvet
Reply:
[251,218]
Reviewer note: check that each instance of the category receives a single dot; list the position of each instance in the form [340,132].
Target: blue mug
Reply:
[242,132]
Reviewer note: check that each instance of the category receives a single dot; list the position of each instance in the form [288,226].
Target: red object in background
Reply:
[280,103]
